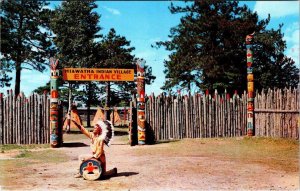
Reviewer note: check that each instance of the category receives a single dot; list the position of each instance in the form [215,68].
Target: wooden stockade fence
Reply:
[197,116]
[201,116]
[24,120]
[277,113]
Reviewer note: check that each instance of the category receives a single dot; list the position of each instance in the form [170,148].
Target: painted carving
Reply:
[54,136]
[250,77]
[141,102]
[250,86]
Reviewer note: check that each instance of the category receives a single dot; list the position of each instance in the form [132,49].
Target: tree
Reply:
[4,77]
[208,49]
[76,26]
[23,40]
[117,53]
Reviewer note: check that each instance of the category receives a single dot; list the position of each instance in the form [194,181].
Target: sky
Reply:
[144,23]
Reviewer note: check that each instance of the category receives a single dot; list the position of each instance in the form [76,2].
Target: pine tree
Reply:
[208,49]
[117,53]
[5,68]
[24,44]
[75,26]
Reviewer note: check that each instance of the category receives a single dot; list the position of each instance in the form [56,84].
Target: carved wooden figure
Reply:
[55,137]
[141,102]
[250,85]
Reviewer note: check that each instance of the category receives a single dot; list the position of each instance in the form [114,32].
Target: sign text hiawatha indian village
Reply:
[96,74]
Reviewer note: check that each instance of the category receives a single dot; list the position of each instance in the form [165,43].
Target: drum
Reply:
[90,169]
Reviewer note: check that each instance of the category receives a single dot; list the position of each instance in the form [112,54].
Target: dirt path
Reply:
[140,170]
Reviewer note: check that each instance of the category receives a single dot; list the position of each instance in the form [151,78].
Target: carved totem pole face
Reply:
[54,137]
[141,102]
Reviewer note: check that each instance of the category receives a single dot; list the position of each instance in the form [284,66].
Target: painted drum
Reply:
[90,169]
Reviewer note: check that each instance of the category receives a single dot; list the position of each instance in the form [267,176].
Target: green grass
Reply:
[76,135]
[281,154]
[9,147]
[73,137]
[29,152]
[44,156]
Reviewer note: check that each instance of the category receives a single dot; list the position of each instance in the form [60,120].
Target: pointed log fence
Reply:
[24,120]
[277,113]
[197,116]
[206,116]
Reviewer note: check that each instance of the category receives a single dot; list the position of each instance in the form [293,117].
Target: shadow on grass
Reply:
[120,133]
[73,132]
[120,144]
[166,141]
[74,144]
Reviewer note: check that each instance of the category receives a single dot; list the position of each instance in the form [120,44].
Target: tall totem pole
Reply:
[250,86]
[55,133]
[141,102]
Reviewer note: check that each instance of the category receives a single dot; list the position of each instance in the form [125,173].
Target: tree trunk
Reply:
[68,127]
[18,78]
[18,60]
[107,102]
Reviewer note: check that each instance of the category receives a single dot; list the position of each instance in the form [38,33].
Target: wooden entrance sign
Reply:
[97,74]
[90,169]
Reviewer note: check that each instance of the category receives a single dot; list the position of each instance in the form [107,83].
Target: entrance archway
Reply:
[96,74]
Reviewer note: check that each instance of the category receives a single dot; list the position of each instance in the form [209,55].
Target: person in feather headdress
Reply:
[102,134]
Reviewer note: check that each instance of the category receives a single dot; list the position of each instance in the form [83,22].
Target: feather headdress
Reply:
[107,131]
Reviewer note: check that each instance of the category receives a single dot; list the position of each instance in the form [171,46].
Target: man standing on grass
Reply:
[102,134]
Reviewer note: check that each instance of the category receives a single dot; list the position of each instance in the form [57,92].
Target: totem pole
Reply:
[141,102]
[55,133]
[250,86]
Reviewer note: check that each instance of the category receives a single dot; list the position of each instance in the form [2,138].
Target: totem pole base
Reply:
[142,142]
[250,133]
[54,145]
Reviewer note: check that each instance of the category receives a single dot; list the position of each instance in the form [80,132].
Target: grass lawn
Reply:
[282,154]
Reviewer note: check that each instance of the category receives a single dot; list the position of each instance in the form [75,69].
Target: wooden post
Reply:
[141,102]
[133,123]
[68,126]
[1,119]
[54,128]
[107,102]
[250,81]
